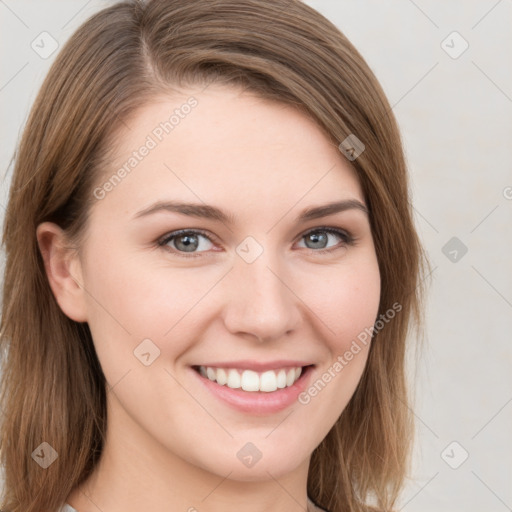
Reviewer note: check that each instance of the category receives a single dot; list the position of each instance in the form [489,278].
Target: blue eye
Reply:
[319,238]
[185,241]
[188,242]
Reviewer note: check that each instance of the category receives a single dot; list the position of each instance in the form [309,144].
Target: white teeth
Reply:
[222,377]
[268,381]
[249,380]
[234,380]
[281,379]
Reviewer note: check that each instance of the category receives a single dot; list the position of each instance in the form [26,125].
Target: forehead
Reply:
[227,146]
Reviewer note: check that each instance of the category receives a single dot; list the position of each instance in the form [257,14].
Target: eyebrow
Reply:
[212,212]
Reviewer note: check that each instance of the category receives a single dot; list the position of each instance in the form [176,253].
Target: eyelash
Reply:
[346,237]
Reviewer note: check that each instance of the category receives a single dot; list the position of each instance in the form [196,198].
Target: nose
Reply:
[261,301]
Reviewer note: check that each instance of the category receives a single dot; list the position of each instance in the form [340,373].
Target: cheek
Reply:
[136,298]
[345,300]
[347,305]
[355,307]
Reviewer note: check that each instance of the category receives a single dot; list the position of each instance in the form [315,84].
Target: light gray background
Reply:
[456,119]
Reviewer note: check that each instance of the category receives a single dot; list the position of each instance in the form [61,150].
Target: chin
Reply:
[276,465]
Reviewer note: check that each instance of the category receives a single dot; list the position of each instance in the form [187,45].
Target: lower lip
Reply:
[258,402]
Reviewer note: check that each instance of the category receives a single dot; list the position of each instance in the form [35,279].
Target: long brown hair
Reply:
[53,388]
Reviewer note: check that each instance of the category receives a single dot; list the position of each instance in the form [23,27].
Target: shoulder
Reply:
[314,508]
[67,508]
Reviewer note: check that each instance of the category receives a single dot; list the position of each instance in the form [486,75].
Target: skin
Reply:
[171,444]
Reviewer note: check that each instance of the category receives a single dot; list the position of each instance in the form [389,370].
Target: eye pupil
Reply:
[316,238]
[190,243]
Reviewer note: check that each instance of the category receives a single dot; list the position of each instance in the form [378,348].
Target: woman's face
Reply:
[244,288]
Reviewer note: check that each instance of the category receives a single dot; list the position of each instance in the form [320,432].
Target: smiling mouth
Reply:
[248,380]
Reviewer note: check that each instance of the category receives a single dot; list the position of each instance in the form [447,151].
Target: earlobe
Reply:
[63,270]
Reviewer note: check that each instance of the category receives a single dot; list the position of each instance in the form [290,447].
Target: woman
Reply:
[211,269]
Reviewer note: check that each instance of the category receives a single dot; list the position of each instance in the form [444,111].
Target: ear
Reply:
[64,271]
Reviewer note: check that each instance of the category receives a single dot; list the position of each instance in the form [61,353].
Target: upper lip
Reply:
[258,366]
